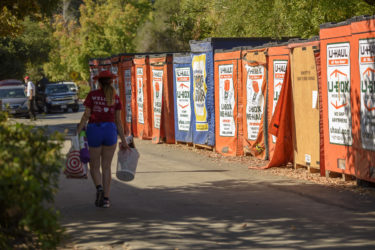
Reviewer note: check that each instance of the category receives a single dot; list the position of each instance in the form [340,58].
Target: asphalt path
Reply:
[181,199]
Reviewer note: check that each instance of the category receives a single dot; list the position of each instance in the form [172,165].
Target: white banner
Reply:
[367,75]
[254,100]
[183,98]
[338,83]
[226,101]
[157,87]
[140,101]
[128,95]
[279,69]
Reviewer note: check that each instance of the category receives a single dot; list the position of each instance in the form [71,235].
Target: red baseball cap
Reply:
[104,74]
[26,77]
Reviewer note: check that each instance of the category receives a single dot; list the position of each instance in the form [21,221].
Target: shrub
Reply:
[30,164]
[84,89]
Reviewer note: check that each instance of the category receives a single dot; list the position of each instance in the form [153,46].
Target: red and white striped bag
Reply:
[74,168]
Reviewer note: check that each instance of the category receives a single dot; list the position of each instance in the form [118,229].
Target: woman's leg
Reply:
[107,156]
[95,153]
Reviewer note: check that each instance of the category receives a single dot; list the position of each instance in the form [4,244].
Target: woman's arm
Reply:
[120,129]
[84,119]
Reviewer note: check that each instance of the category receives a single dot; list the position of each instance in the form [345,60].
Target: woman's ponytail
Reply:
[108,89]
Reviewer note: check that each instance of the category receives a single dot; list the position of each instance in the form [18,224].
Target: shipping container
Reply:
[162,102]
[182,90]
[143,93]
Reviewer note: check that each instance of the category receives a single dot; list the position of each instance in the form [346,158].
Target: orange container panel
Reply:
[143,93]
[228,124]
[336,99]
[254,87]
[363,96]
[128,97]
[162,111]
[277,63]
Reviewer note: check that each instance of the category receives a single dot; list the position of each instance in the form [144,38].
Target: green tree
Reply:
[26,52]
[283,18]
[104,29]
[12,14]
[174,22]
[157,33]
[65,49]
[70,9]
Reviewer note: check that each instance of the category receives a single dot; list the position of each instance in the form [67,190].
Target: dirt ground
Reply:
[289,171]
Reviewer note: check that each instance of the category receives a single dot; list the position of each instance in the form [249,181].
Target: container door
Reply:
[306,107]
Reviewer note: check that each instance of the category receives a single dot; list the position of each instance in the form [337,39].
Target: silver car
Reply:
[14,100]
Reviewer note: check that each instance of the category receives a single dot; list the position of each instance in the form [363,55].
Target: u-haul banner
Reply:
[254,100]
[338,83]
[367,75]
[279,69]
[140,95]
[200,92]
[128,95]
[157,86]
[183,98]
[226,101]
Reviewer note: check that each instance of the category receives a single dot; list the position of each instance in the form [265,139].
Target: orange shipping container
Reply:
[363,96]
[143,93]
[254,88]
[228,102]
[336,99]
[162,101]
[277,60]
[128,96]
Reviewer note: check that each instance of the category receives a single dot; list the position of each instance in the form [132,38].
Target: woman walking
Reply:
[103,114]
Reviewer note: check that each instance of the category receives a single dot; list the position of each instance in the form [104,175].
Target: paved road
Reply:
[183,200]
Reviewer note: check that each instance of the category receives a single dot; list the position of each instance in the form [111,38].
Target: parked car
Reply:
[11,82]
[56,96]
[72,86]
[14,100]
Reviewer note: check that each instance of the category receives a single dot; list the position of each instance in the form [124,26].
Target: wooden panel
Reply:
[305,86]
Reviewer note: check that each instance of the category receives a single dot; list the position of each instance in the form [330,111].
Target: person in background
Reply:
[103,114]
[42,83]
[30,93]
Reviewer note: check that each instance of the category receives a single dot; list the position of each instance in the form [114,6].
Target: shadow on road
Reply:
[230,214]
[183,171]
